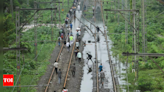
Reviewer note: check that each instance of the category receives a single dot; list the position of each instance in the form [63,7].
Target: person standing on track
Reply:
[73,69]
[56,67]
[102,77]
[100,67]
[59,76]
[79,56]
[68,46]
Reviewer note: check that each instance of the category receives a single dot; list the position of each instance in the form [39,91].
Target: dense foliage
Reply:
[31,70]
[150,77]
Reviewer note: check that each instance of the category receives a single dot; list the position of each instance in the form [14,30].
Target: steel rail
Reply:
[97,77]
[53,69]
[92,24]
[111,67]
[97,83]
[65,82]
[86,26]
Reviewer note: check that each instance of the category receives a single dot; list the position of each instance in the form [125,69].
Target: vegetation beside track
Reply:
[32,70]
[150,76]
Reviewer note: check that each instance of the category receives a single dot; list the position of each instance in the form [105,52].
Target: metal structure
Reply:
[7,49]
[108,51]
[35,30]
[18,30]
[11,8]
[18,45]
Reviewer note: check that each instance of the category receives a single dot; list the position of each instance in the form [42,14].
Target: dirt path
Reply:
[44,79]
[63,64]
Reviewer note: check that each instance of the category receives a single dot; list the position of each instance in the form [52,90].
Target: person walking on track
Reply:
[78,7]
[71,26]
[79,39]
[59,76]
[102,77]
[76,51]
[59,39]
[68,46]
[98,29]
[79,32]
[79,56]
[93,8]
[56,67]
[70,12]
[73,69]
[100,67]
[89,57]
[71,39]
[77,44]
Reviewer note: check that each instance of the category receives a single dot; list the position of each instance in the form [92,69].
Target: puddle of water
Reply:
[87,82]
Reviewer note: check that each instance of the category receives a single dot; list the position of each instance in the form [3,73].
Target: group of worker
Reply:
[68,42]
[78,54]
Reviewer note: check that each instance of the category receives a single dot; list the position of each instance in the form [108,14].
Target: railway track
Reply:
[66,76]
[105,35]
[70,60]
[111,67]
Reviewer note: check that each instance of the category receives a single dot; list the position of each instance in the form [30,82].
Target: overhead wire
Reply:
[34,57]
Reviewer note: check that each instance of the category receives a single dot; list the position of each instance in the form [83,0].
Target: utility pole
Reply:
[134,43]
[18,45]
[35,30]
[59,14]
[28,2]
[143,29]
[11,7]
[68,4]
[52,21]
[126,23]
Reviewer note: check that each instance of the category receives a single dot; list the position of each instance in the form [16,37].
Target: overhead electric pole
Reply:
[11,7]
[35,30]
[143,29]
[52,21]
[59,14]
[18,46]
[126,23]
